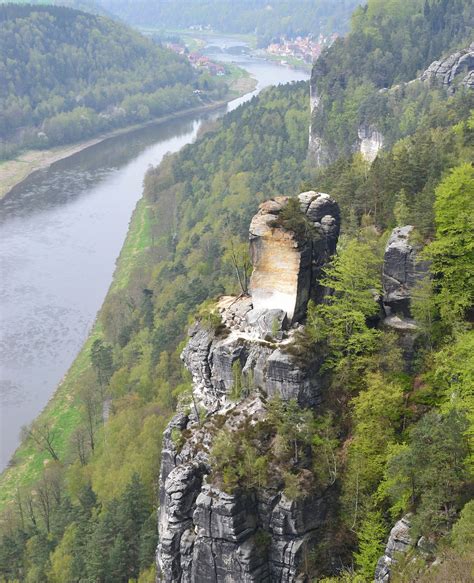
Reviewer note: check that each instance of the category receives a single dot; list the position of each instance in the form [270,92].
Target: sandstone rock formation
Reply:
[287,264]
[401,270]
[256,535]
[317,152]
[458,67]
[399,542]
[371,141]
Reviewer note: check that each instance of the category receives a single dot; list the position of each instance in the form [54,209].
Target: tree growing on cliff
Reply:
[429,473]
[339,326]
[237,256]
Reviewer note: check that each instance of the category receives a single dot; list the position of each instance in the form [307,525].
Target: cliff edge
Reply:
[214,527]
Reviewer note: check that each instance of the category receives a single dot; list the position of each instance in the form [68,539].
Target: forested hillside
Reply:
[269,20]
[396,423]
[360,81]
[67,75]
[86,5]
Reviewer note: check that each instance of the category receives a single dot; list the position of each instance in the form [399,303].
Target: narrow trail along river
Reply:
[61,231]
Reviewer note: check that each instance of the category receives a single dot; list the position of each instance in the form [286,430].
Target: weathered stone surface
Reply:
[287,265]
[258,535]
[318,153]
[230,517]
[457,67]
[206,534]
[399,542]
[268,323]
[371,141]
[264,367]
[401,270]
[180,492]
[281,277]
[286,380]
[209,535]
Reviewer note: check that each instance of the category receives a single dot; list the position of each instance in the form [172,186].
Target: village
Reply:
[197,60]
[304,49]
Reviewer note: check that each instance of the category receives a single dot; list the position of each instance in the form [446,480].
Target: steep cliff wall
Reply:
[456,69]
[452,72]
[318,154]
[248,534]
[287,263]
[371,141]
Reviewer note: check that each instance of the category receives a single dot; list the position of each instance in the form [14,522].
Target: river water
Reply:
[61,231]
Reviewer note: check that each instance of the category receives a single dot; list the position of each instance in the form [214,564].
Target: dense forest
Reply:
[268,20]
[85,5]
[391,43]
[67,75]
[401,437]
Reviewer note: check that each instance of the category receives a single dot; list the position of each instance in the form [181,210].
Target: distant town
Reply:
[197,60]
[304,49]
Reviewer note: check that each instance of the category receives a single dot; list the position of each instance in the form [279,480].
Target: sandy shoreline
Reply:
[13,172]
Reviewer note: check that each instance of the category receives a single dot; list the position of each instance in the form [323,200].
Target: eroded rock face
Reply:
[458,67]
[402,269]
[207,535]
[286,264]
[255,535]
[212,360]
[399,542]
[371,141]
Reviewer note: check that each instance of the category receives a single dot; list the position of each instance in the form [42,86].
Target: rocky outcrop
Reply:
[206,534]
[317,152]
[254,535]
[214,362]
[457,69]
[287,263]
[402,269]
[371,141]
[399,543]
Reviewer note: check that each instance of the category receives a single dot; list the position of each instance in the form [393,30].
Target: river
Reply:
[61,231]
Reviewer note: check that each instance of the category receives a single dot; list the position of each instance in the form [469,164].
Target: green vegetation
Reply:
[68,75]
[452,254]
[390,42]
[268,21]
[414,164]
[291,217]
[391,436]
[292,448]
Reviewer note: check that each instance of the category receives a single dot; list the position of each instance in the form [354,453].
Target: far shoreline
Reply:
[31,161]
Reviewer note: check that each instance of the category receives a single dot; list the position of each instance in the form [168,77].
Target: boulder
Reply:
[268,323]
